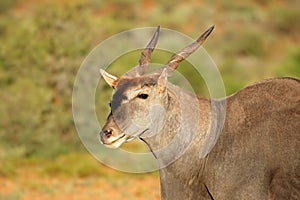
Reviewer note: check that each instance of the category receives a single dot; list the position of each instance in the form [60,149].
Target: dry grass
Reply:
[38,179]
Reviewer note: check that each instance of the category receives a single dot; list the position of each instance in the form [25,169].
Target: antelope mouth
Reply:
[116,143]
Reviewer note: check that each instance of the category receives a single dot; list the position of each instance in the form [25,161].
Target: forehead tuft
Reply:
[129,83]
[125,84]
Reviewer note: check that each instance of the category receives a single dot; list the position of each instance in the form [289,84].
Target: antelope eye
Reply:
[143,96]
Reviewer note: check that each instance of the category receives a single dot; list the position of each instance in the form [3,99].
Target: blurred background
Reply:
[42,45]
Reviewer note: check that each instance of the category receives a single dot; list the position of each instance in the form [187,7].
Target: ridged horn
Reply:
[144,61]
[188,50]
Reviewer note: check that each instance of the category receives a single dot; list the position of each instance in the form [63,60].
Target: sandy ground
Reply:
[28,186]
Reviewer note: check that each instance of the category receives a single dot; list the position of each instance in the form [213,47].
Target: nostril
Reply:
[108,133]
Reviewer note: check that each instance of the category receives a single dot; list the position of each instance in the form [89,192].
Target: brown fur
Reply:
[251,152]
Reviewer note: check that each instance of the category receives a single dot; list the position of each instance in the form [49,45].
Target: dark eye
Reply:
[143,96]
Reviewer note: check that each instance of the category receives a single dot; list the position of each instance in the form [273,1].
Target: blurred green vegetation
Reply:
[43,44]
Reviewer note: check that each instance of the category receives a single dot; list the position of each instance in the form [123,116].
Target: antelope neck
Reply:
[186,125]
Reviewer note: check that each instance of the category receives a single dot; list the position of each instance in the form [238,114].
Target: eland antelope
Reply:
[245,146]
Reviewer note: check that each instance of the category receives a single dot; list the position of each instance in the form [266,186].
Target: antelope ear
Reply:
[162,81]
[111,80]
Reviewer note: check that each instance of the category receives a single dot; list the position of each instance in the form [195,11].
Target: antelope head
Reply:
[138,104]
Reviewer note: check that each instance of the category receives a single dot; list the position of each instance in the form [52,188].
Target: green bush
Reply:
[285,18]
[38,61]
[290,66]
[6,5]
[43,46]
